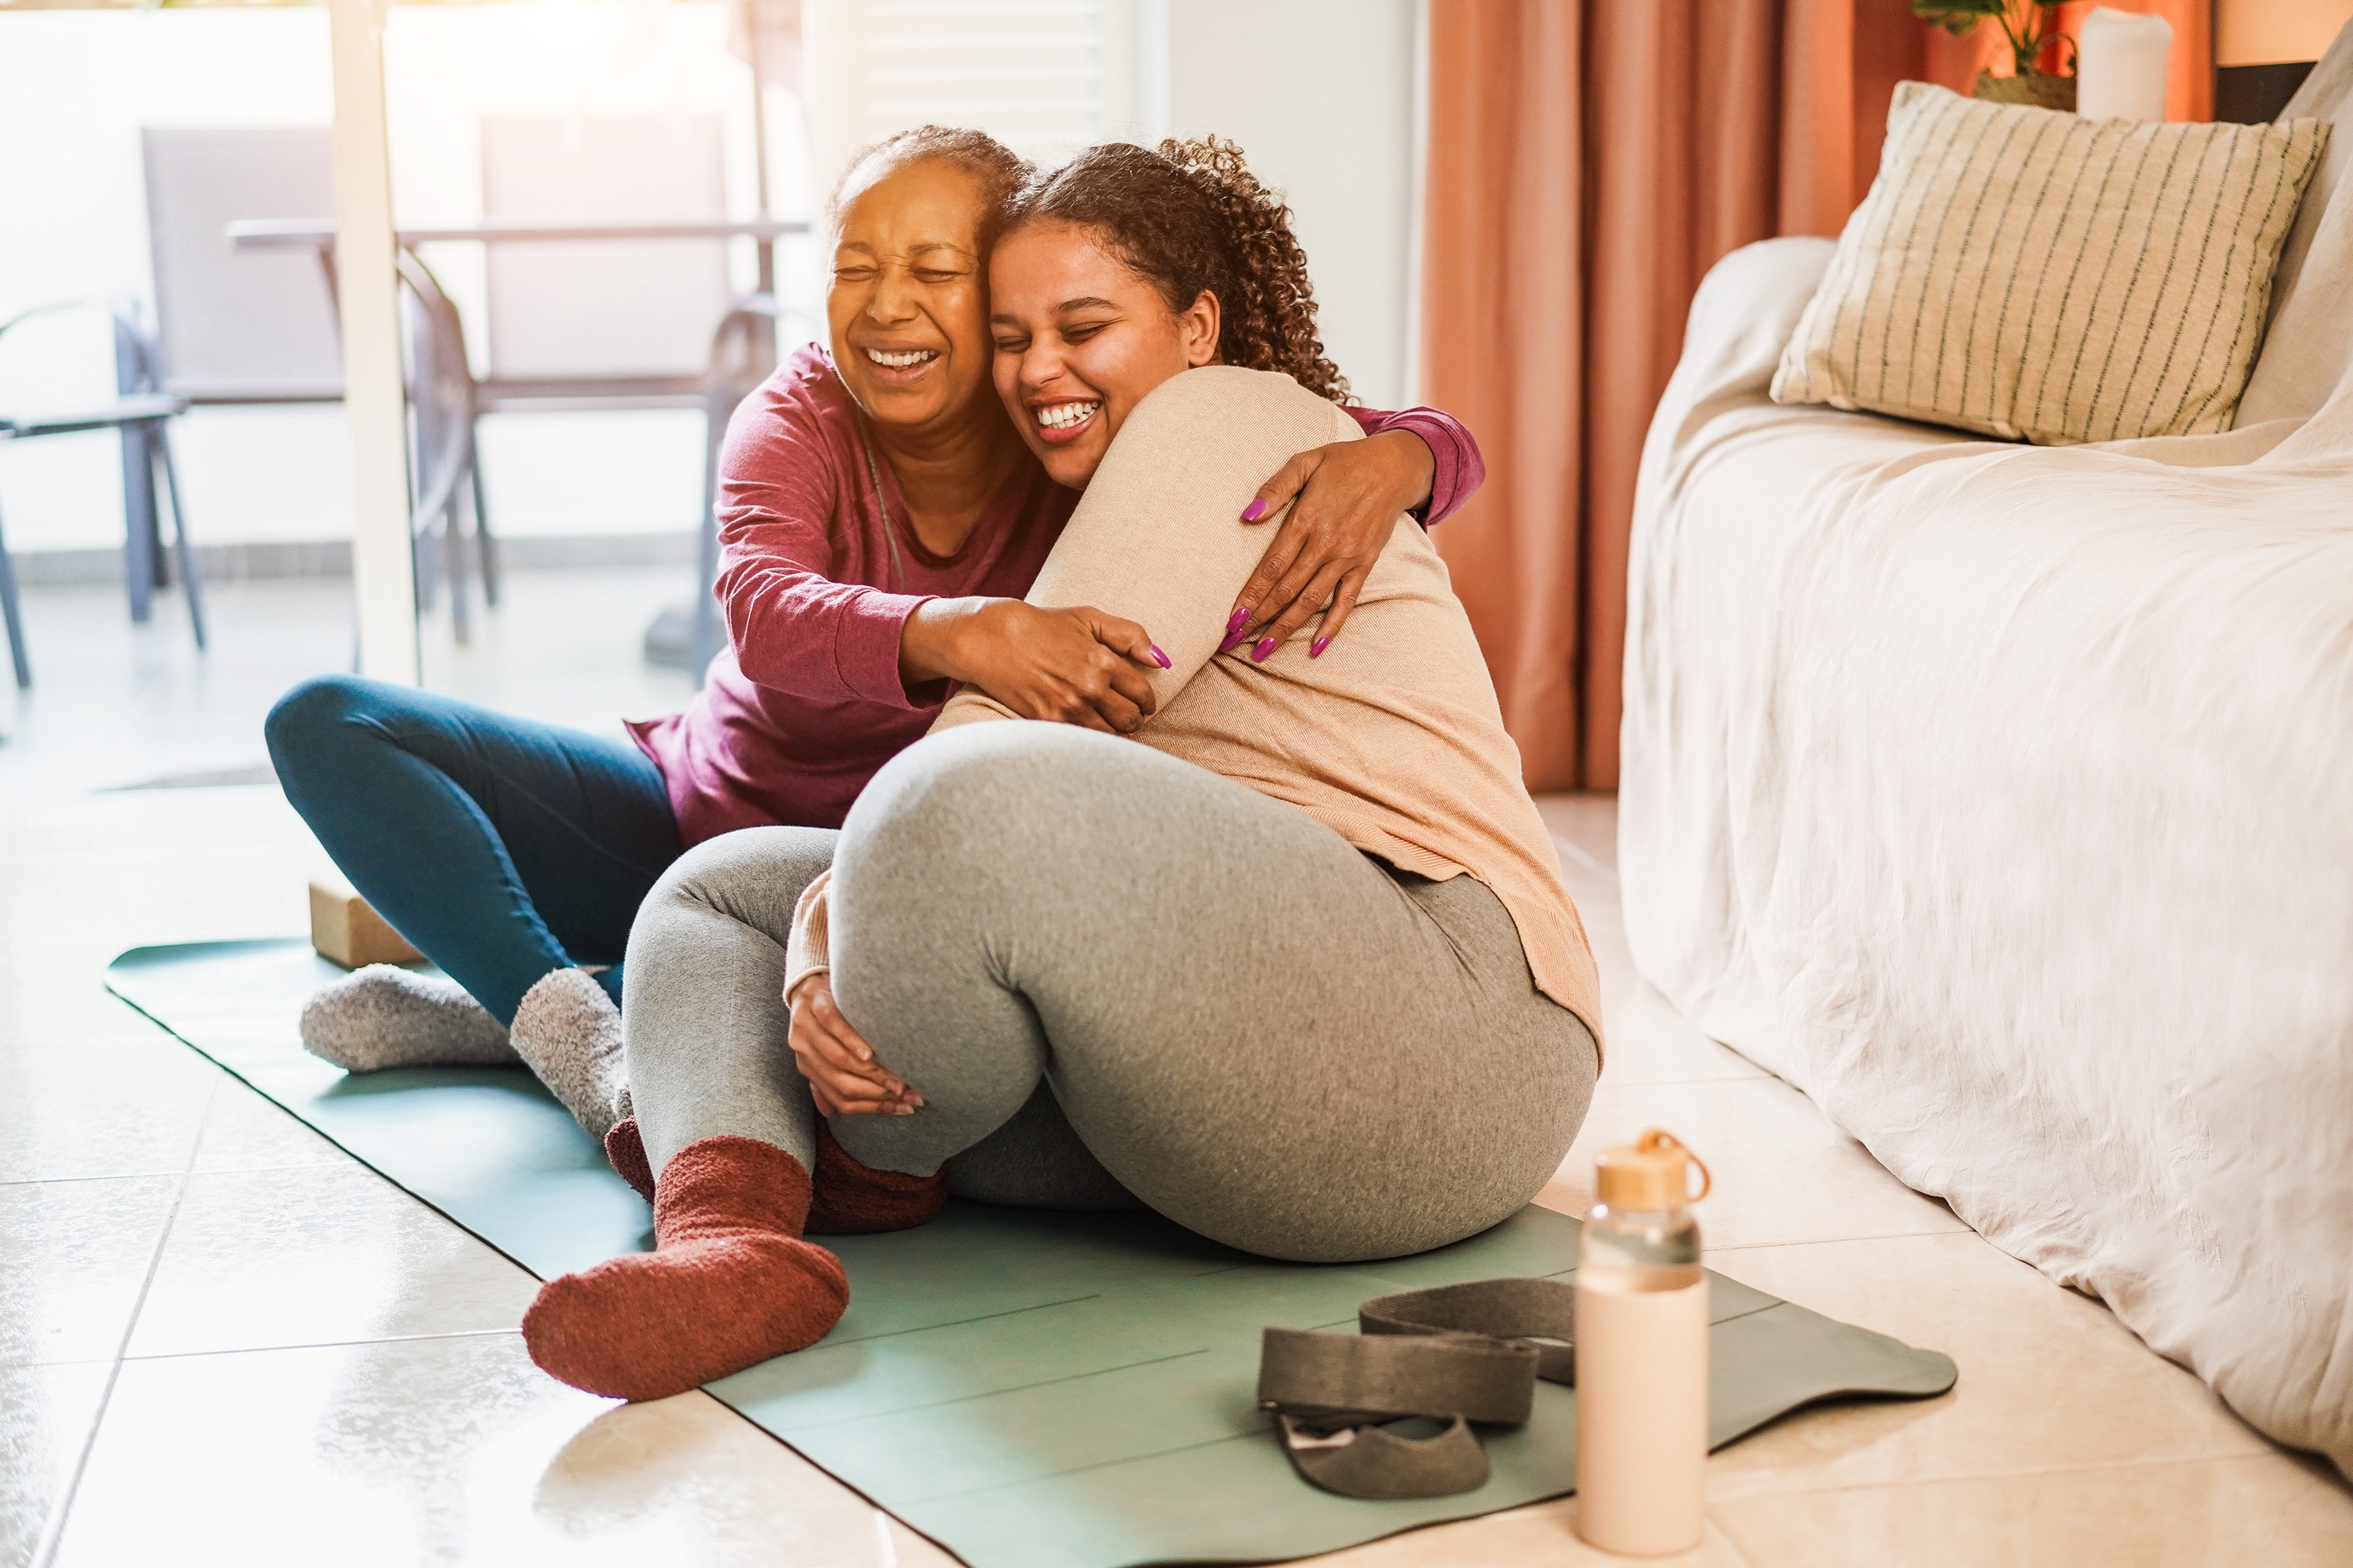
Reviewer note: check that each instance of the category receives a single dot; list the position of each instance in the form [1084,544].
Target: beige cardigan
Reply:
[1392,739]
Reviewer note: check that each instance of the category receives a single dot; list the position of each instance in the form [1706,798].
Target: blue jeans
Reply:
[499,847]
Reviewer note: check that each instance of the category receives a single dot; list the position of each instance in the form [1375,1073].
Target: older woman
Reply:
[883,520]
[1293,966]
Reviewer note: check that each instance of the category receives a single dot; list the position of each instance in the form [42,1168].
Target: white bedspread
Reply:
[2001,798]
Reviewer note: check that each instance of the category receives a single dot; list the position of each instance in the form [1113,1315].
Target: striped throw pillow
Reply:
[2027,273]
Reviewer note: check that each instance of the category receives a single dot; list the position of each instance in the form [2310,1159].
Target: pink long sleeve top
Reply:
[820,571]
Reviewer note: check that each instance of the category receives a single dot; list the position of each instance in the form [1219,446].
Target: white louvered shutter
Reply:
[1044,76]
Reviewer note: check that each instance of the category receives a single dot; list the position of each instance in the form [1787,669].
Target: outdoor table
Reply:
[694,630]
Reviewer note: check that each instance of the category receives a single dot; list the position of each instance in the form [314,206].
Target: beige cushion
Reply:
[2029,273]
[2309,344]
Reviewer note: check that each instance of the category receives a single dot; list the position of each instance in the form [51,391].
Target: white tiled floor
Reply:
[222,1341]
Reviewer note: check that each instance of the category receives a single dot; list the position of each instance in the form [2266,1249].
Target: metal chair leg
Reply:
[425,554]
[425,563]
[16,617]
[157,555]
[483,544]
[141,565]
[708,635]
[138,525]
[453,557]
[190,580]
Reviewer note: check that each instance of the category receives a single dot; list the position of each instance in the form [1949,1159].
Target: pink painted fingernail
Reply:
[1316,649]
[1266,646]
[1235,622]
[1256,509]
[1161,657]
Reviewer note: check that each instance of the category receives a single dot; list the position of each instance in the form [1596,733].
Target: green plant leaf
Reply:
[1958,17]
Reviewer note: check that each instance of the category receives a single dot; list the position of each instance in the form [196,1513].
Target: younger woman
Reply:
[882,520]
[1297,969]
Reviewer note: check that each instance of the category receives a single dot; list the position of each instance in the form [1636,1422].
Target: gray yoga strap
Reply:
[1458,1353]
[1461,1353]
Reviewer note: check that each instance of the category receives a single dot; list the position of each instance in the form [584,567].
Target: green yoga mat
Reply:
[1032,1390]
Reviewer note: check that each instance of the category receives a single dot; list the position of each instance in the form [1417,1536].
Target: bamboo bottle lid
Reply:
[1652,1173]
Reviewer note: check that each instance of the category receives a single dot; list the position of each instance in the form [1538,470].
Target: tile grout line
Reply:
[53,1530]
[75,1180]
[1723,1533]
[2273,1451]
[1879,1235]
[323,1345]
[1962,1229]
[1583,856]
[1590,860]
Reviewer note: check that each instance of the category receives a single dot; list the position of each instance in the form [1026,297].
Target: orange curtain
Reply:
[1588,161]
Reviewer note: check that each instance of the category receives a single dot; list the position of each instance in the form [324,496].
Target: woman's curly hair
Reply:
[1190,219]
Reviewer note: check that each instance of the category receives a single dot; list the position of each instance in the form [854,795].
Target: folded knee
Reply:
[753,875]
[996,789]
[315,724]
[313,708]
[701,879]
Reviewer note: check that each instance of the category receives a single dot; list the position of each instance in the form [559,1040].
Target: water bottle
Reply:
[1641,1354]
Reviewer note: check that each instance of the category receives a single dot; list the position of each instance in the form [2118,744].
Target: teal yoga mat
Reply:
[1032,1390]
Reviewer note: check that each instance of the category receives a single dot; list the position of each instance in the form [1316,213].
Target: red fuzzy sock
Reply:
[850,1200]
[625,1150]
[730,1283]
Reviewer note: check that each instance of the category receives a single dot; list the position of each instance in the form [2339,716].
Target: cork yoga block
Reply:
[344,930]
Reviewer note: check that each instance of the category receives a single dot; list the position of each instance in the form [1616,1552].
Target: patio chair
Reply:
[234,326]
[651,355]
[743,355]
[139,412]
[661,353]
[246,328]
[445,403]
[557,332]
[231,328]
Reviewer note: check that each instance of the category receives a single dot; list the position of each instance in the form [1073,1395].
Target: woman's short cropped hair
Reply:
[1191,218]
[1001,171]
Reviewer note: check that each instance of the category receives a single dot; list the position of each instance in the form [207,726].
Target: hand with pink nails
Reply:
[1344,501]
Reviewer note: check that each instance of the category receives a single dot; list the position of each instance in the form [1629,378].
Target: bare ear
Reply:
[1198,324]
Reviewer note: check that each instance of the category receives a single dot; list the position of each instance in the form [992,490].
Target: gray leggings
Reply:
[1111,972]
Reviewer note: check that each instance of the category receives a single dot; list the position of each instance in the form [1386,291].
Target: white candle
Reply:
[2120,66]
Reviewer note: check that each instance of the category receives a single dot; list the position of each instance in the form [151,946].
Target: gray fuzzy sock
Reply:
[381,1016]
[569,1033]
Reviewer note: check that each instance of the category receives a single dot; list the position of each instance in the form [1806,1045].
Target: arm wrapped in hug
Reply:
[805,949]
[1158,537]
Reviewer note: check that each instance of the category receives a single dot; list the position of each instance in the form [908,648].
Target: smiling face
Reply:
[909,303]
[1080,338]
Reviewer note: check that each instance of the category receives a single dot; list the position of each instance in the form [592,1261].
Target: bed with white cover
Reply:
[2001,798]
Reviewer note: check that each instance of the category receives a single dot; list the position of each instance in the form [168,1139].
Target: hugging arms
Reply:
[1292,966]
[884,521]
